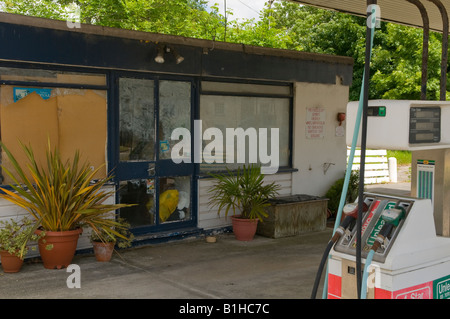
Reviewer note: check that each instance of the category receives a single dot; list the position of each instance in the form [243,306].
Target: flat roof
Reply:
[396,11]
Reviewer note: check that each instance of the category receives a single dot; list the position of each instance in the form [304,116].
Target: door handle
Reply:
[151,169]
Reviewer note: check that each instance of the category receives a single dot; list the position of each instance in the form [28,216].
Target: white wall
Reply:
[311,154]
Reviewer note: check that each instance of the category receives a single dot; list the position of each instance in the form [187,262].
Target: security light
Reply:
[178,57]
[160,55]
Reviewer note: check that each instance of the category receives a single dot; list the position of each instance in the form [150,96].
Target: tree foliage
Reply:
[396,59]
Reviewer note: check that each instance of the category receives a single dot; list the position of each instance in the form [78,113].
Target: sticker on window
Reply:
[20,93]
[164,146]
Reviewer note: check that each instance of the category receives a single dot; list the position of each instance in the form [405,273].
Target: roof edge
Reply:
[38,22]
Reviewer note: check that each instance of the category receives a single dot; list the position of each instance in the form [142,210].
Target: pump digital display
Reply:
[424,125]
[376,111]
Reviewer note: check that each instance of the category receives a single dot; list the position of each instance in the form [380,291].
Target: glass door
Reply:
[149,110]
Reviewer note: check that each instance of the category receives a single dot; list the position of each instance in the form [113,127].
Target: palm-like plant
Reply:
[62,195]
[243,192]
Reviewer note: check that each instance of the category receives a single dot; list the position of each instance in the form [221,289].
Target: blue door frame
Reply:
[124,171]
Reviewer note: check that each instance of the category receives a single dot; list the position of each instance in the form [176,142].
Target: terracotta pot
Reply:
[10,263]
[57,248]
[103,251]
[244,229]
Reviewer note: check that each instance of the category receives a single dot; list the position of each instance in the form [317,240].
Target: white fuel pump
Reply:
[409,259]
[410,256]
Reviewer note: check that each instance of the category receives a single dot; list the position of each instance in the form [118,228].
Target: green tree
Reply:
[397,64]
[397,53]
[44,8]
[323,31]
[178,17]
[396,58]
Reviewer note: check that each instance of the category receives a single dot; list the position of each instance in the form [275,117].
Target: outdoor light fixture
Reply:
[162,49]
[160,55]
[178,57]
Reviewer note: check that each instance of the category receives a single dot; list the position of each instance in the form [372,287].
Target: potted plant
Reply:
[243,192]
[106,239]
[62,197]
[13,239]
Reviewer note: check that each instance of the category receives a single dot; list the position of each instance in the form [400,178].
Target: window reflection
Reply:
[137,121]
[174,112]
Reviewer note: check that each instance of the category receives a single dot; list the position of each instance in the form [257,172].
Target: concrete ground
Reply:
[265,268]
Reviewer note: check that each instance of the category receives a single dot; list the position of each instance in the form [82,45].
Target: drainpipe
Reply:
[445,26]
[426,36]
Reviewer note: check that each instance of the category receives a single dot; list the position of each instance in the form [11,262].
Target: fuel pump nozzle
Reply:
[392,218]
[351,213]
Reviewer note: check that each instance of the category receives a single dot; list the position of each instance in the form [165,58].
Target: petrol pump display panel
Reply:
[425,125]
[372,223]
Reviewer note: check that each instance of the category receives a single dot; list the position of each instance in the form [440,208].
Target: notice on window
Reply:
[315,122]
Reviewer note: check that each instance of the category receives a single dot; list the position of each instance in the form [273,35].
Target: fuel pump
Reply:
[409,256]
[350,212]
[398,238]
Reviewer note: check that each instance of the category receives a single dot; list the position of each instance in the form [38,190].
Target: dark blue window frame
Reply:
[163,167]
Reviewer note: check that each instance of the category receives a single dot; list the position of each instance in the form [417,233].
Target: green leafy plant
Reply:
[242,191]
[15,235]
[106,235]
[61,195]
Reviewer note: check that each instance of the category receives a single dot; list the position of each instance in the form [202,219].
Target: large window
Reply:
[245,123]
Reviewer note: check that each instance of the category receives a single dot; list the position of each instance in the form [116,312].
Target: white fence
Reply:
[376,166]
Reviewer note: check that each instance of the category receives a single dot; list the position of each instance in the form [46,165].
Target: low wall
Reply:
[295,214]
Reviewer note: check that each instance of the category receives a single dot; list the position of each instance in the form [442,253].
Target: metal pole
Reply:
[426,35]
[225,31]
[445,26]
[363,149]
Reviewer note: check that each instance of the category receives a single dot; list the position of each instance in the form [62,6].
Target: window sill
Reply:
[281,170]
